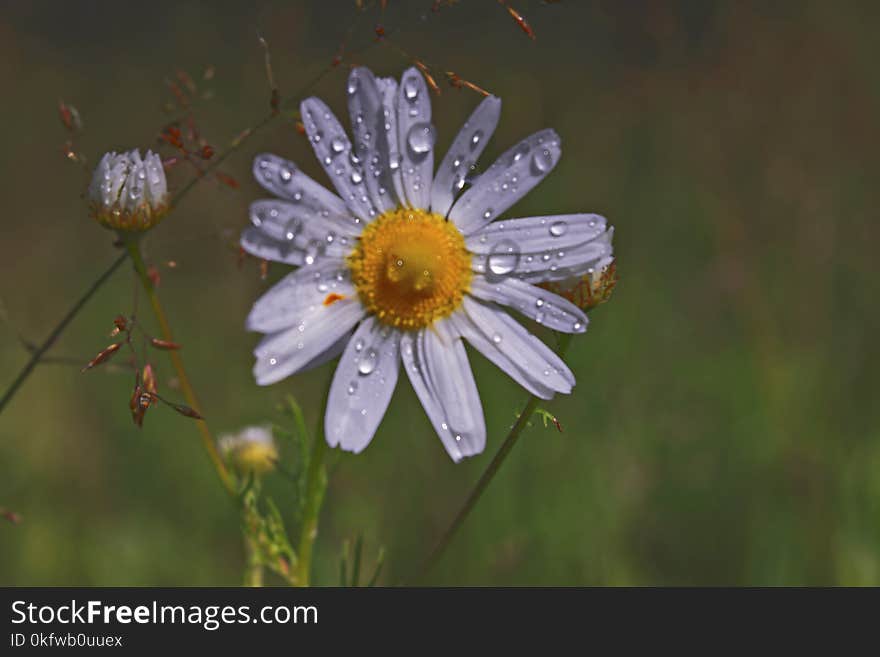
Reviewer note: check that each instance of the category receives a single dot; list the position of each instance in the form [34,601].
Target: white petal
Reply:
[509,178]
[287,222]
[362,386]
[496,353]
[437,366]
[534,302]
[415,137]
[551,265]
[260,245]
[534,358]
[333,150]
[284,179]
[284,353]
[329,354]
[538,234]
[463,153]
[298,295]
[370,128]
[388,88]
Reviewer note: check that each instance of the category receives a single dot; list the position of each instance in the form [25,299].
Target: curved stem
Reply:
[134,251]
[316,484]
[58,330]
[488,474]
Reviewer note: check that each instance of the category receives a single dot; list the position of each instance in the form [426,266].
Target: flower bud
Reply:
[252,449]
[587,291]
[128,193]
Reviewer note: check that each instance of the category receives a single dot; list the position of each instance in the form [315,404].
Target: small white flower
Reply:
[127,192]
[402,265]
[252,449]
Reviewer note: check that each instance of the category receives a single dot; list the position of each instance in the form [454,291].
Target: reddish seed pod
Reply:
[226,179]
[187,411]
[207,152]
[164,344]
[154,275]
[149,379]
[103,356]
[380,31]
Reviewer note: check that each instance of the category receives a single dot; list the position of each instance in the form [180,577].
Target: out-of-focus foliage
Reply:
[724,429]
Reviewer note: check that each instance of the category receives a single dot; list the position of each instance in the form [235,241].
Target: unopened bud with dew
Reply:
[252,449]
[127,192]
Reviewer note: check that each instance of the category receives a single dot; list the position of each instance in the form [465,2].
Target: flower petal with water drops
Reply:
[286,352]
[438,368]
[292,224]
[362,386]
[300,294]
[534,358]
[492,347]
[370,127]
[550,265]
[538,234]
[333,149]
[506,181]
[388,89]
[463,153]
[416,137]
[533,302]
[285,180]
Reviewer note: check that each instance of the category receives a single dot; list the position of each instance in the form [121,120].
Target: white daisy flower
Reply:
[129,193]
[400,268]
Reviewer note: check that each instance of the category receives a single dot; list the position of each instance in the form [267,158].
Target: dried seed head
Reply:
[129,193]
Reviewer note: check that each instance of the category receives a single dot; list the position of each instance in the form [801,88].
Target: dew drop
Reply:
[504,257]
[356,177]
[542,161]
[352,387]
[496,338]
[368,361]
[558,228]
[337,145]
[352,85]
[411,89]
[421,137]
[476,138]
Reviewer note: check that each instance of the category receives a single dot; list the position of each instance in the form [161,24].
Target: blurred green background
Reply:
[724,429]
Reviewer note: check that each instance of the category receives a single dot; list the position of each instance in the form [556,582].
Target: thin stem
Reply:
[134,251]
[316,483]
[488,475]
[58,330]
[253,572]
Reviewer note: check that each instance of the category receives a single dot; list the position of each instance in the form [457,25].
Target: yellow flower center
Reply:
[410,268]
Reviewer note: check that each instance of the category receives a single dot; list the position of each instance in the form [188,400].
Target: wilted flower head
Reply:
[406,263]
[252,449]
[127,192]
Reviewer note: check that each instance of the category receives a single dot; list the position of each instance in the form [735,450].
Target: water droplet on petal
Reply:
[337,145]
[504,257]
[411,89]
[421,137]
[476,138]
[558,228]
[368,362]
[542,161]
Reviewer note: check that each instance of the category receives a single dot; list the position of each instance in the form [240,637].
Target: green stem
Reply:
[58,330]
[253,572]
[489,474]
[316,484]
[134,251]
